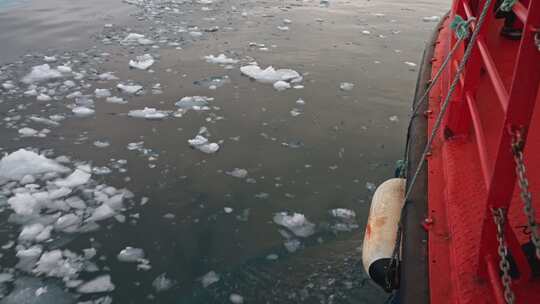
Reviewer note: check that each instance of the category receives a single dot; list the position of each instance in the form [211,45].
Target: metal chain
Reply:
[518,144]
[391,272]
[499,216]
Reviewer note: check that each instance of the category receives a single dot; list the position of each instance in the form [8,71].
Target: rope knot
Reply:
[461,27]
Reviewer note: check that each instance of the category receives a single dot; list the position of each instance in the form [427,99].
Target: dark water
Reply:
[323,159]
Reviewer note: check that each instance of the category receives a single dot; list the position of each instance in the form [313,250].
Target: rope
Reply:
[437,125]
[507,5]
[460,27]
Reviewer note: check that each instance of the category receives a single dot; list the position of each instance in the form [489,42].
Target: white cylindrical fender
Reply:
[381,229]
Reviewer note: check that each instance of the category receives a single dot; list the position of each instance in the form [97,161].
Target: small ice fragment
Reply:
[30,232]
[107,76]
[228,210]
[282,85]
[148,113]
[292,245]
[83,111]
[28,132]
[270,75]
[101,144]
[236,298]
[210,278]
[220,59]
[393,118]
[346,86]
[43,97]
[297,223]
[142,62]
[129,89]
[238,173]
[431,19]
[75,179]
[130,254]
[100,284]
[295,112]
[343,213]
[41,73]
[411,64]
[371,186]
[193,102]
[272,257]
[300,101]
[115,99]
[201,143]
[101,213]
[366,32]
[283,28]
[102,93]
[162,283]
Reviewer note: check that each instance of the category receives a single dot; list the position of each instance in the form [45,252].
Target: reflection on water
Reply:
[142,211]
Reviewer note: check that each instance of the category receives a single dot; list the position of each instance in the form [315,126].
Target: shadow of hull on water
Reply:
[328,272]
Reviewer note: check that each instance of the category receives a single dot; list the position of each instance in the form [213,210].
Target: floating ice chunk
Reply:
[201,143]
[281,85]
[28,132]
[346,86]
[28,257]
[49,58]
[411,64]
[30,232]
[431,19]
[228,210]
[101,144]
[134,38]
[102,93]
[194,102]
[300,101]
[270,75]
[23,162]
[295,112]
[195,34]
[115,99]
[236,298]
[145,41]
[148,113]
[130,254]
[107,76]
[5,277]
[53,264]
[43,97]
[41,73]
[238,173]
[83,111]
[162,283]
[283,28]
[292,245]
[393,118]
[63,69]
[142,62]
[343,213]
[100,284]
[101,213]
[272,257]
[297,223]
[68,222]
[209,279]
[129,89]
[32,291]
[220,59]
[366,32]
[75,179]
[43,120]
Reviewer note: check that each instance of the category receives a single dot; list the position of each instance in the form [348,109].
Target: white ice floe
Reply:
[41,73]
[100,284]
[238,173]
[115,99]
[197,103]
[220,59]
[270,75]
[107,76]
[292,245]
[163,283]
[346,86]
[142,62]
[411,64]
[296,223]
[102,93]
[149,113]
[28,132]
[101,213]
[283,28]
[83,111]
[75,179]
[101,144]
[393,118]
[431,19]
[23,162]
[130,255]
[210,278]
[133,38]
[343,213]
[281,85]
[202,144]
[236,298]
[129,89]
[43,97]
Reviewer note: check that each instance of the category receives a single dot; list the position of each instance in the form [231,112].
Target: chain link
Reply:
[526,196]
[499,216]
